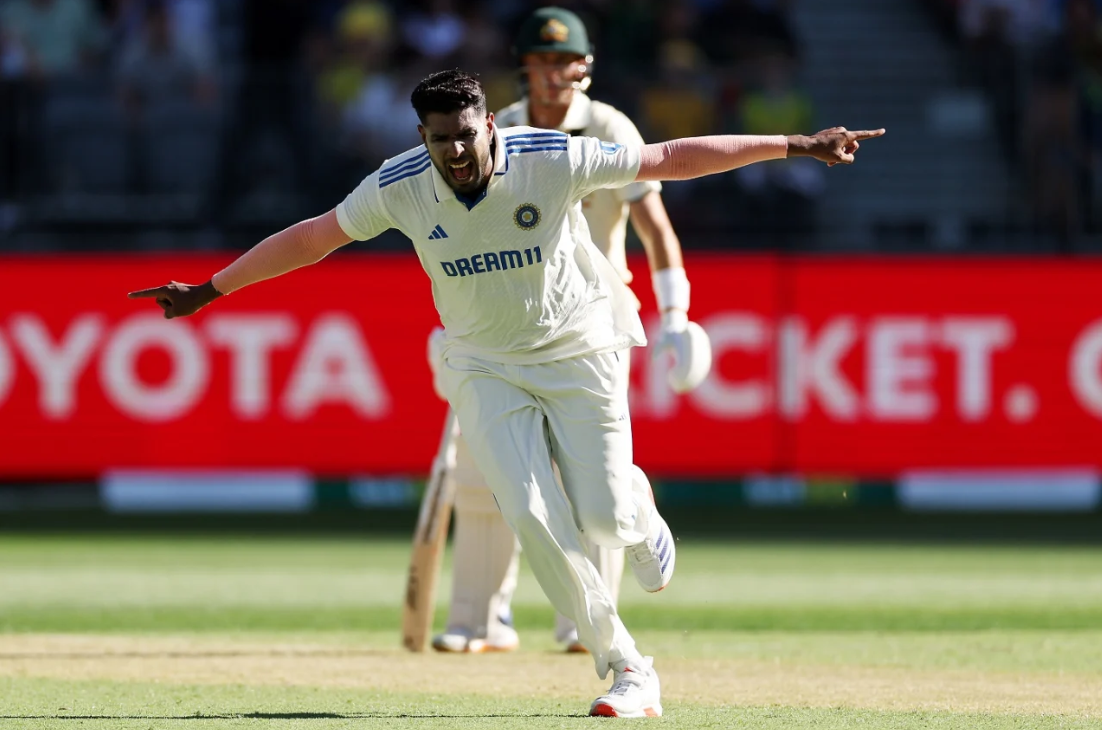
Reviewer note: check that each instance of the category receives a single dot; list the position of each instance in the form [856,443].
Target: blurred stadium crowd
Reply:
[137,124]
[1041,63]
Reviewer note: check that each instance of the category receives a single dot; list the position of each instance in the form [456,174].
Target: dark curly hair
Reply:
[445,92]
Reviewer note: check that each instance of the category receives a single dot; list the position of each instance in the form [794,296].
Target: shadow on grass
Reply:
[285,716]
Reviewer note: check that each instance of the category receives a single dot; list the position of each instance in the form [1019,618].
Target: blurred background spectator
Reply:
[159,64]
[49,39]
[204,123]
[782,192]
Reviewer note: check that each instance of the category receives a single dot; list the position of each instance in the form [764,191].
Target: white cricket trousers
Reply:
[515,418]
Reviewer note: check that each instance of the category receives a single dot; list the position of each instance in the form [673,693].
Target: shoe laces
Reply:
[626,681]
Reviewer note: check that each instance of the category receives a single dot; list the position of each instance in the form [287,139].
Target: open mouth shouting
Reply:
[461,170]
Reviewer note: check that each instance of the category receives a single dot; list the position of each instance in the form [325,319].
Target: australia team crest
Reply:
[554,31]
[527,216]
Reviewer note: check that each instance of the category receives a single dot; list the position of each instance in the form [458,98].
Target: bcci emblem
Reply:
[554,31]
[527,216]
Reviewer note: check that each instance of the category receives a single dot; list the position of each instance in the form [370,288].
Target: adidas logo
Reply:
[437,233]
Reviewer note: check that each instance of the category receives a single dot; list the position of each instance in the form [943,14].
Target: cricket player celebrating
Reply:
[536,321]
[554,53]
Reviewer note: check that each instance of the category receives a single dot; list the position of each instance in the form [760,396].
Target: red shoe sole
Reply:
[607,711]
[481,647]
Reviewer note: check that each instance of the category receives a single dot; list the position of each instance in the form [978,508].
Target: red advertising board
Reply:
[847,365]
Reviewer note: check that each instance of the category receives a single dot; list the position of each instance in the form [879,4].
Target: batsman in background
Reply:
[555,59]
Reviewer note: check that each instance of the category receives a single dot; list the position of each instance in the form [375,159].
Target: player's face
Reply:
[459,145]
[551,76]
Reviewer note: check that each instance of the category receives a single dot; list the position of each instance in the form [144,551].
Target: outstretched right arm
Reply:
[306,242]
[359,217]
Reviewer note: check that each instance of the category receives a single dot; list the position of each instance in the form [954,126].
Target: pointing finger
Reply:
[868,133]
[145,293]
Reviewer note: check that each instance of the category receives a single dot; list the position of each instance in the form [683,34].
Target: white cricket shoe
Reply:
[652,560]
[501,637]
[634,693]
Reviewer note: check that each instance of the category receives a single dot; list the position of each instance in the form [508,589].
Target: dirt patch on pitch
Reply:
[712,682]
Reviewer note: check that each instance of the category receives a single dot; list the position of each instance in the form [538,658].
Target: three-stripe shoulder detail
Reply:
[407,168]
[536,142]
[518,136]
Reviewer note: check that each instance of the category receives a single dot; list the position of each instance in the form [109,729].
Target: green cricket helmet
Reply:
[554,30]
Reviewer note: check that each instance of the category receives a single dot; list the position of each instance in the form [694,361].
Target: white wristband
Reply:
[671,288]
[675,320]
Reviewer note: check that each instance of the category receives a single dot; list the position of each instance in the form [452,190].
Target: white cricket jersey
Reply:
[515,275]
[606,210]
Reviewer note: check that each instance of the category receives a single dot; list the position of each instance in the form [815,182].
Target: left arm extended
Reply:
[691,157]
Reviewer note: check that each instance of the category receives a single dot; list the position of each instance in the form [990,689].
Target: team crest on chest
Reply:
[527,216]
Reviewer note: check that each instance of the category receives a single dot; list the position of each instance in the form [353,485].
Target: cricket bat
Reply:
[428,543]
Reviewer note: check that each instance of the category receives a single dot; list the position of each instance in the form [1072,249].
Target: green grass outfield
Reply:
[116,632]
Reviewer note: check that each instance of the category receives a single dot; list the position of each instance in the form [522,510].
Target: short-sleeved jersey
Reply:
[515,275]
[606,210]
